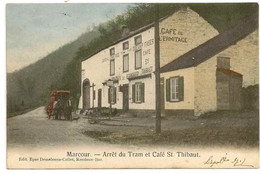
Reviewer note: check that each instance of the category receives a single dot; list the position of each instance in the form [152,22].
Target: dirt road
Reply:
[32,137]
[34,130]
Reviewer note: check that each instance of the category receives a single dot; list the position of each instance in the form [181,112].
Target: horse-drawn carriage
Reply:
[60,105]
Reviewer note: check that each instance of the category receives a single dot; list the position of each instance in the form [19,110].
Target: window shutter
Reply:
[143,92]
[167,89]
[133,93]
[181,88]
[109,95]
[114,94]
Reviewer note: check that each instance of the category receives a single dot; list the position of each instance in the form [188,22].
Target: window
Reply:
[112,95]
[138,59]
[126,63]
[138,40]
[112,67]
[175,89]
[138,89]
[138,92]
[125,45]
[112,51]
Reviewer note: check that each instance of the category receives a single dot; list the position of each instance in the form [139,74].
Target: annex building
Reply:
[202,70]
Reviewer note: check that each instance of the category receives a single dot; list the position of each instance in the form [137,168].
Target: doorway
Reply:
[86,94]
[125,90]
[100,98]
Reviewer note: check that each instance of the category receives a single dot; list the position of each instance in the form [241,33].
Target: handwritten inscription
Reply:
[236,162]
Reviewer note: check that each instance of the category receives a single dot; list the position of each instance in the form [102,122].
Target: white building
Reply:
[200,68]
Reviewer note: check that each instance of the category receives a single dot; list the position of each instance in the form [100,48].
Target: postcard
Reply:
[121,85]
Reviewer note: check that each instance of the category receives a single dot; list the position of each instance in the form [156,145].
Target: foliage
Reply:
[250,98]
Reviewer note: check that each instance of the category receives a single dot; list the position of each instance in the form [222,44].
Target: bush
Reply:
[250,98]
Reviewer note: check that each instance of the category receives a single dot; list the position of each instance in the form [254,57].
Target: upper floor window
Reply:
[138,40]
[125,45]
[126,63]
[138,59]
[112,51]
[112,67]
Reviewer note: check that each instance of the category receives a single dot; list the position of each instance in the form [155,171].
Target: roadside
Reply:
[214,129]
[34,130]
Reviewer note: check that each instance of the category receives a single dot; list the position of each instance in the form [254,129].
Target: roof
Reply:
[132,33]
[122,39]
[229,72]
[213,46]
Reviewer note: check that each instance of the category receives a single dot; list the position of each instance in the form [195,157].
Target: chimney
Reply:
[125,31]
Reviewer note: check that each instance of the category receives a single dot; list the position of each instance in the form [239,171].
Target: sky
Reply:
[35,30]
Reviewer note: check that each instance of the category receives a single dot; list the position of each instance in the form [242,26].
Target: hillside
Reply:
[30,86]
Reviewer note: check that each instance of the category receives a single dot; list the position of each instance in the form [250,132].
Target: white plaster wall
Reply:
[188,102]
[149,94]
[187,25]
[97,68]
[205,94]
[244,58]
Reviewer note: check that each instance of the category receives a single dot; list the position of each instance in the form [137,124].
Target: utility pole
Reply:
[157,70]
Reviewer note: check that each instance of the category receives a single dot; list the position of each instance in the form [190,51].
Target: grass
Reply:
[228,129]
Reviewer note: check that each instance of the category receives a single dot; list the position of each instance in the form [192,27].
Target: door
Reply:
[86,94]
[125,90]
[162,97]
[223,95]
[100,98]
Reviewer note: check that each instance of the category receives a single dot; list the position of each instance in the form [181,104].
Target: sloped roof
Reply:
[213,46]
[131,34]
[229,72]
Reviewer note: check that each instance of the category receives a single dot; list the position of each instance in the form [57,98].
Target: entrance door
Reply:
[100,98]
[162,97]
[86,94]
[125,90]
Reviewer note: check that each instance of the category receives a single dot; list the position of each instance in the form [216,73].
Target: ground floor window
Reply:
[175,89]
[112,95]
[138,92]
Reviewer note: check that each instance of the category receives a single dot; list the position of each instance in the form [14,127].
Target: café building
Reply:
[201,71]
